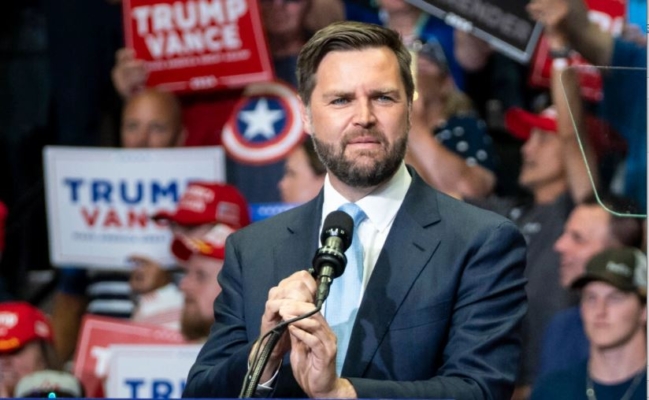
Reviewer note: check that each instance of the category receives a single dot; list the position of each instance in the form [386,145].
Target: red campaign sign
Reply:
[609,15]
[197,45]
[98,333]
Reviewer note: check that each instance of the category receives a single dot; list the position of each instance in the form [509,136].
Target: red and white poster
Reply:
[92,357]
[609,15]
[196,45]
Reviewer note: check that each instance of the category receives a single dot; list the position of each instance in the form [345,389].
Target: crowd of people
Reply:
[500,257]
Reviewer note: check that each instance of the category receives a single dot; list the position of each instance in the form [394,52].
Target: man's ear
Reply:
[304,115]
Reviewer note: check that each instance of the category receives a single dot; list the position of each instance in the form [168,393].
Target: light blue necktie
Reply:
[344,296]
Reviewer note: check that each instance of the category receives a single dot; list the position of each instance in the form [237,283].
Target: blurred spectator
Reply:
[614,310]
[590,229]
[49,384]
[322,13]
[412,24]
[557,176]
[202,205]
[150,119]
[26,344]
[201,260]
[286,24]
[303,174]
[569,18]
[448,144]
[157,300]
[205,215]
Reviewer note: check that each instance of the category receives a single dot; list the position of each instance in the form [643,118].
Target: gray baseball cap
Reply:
[625,268]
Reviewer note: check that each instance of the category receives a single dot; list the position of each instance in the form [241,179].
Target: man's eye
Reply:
[385,98]
[340,101]
[130,126]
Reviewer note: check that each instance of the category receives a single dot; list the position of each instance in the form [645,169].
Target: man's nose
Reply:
[184,285]
[526,148]
[364,114]
[600,307]
[559,245]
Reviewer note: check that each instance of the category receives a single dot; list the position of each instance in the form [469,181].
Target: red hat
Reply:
[20,323]
[209,203]
[520,122]
[212,244]
[602,137]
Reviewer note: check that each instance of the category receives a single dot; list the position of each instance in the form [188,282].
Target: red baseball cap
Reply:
[602,137]
[520,122]
[209,203]
[20,323]
[212,244]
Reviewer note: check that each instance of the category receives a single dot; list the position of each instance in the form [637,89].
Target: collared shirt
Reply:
[380,206]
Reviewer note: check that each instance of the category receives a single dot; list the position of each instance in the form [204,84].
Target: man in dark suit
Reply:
[441,295]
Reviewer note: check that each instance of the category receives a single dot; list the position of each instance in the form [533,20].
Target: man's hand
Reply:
[298,288]
[129,74]
[147,275]
[313,355]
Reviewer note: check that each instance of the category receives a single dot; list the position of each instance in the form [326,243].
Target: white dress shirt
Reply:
[381,208]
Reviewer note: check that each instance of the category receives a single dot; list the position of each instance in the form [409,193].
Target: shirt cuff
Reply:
[264,389]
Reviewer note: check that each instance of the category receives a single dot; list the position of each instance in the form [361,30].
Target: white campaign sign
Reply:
[99,201]
[149,371]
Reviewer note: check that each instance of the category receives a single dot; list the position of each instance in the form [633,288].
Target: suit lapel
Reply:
[297,247]
[404,255]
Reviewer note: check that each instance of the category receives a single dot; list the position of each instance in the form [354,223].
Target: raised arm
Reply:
[440,167]
[129,74]
[566,96]
[570,19]
[572,130]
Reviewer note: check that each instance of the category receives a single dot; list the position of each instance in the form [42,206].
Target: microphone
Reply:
[329,261]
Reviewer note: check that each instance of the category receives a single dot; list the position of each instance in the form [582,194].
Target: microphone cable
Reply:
[260,358]
[328,263]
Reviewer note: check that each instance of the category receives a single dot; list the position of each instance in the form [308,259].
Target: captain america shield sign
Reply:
[265,124]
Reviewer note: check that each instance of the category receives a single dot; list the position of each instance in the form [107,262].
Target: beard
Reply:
[194,326]
[355,173]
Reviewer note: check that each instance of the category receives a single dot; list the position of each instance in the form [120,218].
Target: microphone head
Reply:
[339,224]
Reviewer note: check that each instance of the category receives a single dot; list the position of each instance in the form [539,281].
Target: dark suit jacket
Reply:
[439,318]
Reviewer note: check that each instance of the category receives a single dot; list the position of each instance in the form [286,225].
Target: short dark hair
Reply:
[627,230]
[346,36]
